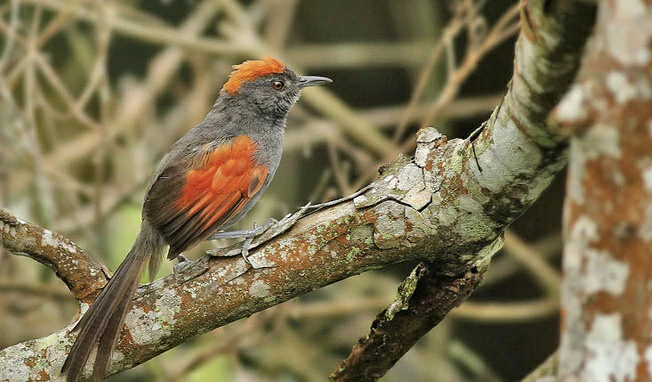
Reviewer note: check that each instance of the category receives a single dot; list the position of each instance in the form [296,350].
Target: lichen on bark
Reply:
[606,290]
[447,206]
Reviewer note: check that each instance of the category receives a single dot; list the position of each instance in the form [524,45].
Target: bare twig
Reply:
[38,291]
[547,276]
[449,34]
[501,31]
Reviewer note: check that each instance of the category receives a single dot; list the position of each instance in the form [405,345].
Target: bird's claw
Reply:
[244,250]
[182,264]
[249,236]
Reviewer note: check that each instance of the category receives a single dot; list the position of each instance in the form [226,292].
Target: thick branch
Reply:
[553,40]
[439,207]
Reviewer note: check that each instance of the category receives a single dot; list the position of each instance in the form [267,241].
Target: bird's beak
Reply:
[305,81]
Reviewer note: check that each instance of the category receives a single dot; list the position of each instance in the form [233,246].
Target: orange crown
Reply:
[251,70]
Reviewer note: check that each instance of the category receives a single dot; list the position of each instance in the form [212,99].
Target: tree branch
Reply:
[439,207]
[81,273]
[553,40]
[424,300]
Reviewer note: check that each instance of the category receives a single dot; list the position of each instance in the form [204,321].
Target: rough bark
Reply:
[606,299]
[553,35]
[80,272]
[448,206]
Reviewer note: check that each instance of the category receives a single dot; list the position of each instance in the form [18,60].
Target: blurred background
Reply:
[93,93]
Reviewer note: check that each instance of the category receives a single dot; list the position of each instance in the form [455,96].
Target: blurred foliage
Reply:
[93,94]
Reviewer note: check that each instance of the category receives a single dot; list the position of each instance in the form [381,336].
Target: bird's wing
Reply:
[191,200]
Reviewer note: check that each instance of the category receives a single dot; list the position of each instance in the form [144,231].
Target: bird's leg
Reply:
[182,264]
[248,234]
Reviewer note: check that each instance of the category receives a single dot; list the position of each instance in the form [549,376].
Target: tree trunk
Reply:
[606,298]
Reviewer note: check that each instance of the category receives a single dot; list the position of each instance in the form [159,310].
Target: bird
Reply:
[209,179]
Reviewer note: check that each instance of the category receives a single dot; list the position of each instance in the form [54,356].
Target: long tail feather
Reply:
[103,320]
[111,332]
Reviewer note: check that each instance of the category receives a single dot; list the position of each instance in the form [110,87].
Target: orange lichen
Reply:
[250,71]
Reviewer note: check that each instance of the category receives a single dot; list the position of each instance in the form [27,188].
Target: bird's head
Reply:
[268,84]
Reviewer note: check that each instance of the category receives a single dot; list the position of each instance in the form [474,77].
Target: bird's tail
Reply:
[101,324]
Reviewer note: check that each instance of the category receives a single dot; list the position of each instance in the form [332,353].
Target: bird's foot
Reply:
[182,264]
[249,235]
[186,269]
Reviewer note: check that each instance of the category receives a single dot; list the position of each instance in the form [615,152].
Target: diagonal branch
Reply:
[553,41]
[439,207]
[424,300]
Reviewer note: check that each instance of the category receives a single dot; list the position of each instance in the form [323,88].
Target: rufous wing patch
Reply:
[214,190]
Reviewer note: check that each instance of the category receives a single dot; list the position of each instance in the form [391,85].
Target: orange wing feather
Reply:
[213,191]
[251,70]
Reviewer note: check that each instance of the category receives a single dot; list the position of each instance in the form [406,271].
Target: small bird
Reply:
[207,181]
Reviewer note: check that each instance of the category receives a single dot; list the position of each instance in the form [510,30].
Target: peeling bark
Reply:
[439,207]
[552,37]
[606,299]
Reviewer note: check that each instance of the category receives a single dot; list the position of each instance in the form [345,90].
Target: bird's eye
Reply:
[278,85]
